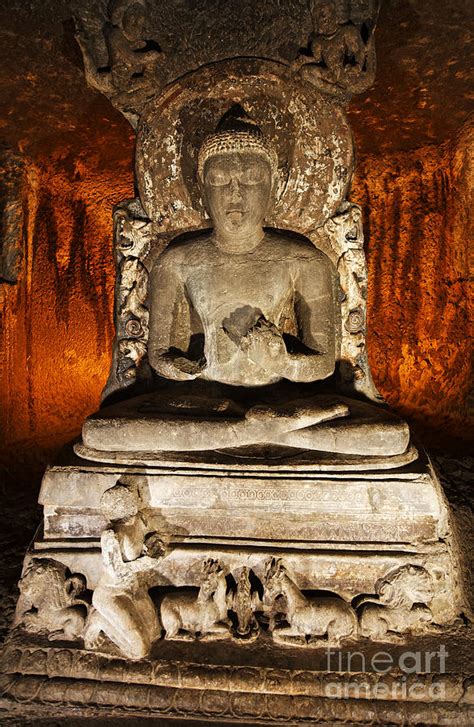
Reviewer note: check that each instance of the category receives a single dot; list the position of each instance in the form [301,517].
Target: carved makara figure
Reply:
[244,324]
[309,618]
[123,608]
[186,615]
[401,606]
[51,600]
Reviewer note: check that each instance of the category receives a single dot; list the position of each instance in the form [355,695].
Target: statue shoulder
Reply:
[183,252]
[297,248]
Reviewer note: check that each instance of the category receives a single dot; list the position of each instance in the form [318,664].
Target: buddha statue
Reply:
[244,329]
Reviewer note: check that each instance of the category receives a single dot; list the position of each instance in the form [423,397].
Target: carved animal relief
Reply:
[52,601]
[203,614]
[402,604]
[309,618]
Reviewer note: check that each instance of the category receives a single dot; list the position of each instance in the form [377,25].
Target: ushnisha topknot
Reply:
[236,132]
[225,142]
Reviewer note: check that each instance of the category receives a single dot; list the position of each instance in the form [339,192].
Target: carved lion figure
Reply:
[401,605]
[50,600]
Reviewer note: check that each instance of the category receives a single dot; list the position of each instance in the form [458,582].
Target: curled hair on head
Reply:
[236,132]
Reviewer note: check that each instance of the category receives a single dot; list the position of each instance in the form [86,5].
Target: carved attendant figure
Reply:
[124,610]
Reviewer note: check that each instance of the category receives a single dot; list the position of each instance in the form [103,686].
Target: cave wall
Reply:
[418,213]
[56,321]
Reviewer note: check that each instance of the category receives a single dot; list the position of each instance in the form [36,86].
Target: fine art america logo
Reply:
[408,675]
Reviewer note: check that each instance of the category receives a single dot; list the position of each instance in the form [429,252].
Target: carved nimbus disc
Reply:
[309,130]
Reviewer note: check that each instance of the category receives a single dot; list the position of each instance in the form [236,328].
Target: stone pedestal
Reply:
[338,532]
[336,526]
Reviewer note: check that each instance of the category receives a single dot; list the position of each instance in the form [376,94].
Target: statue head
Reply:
[129,15]
[237,170]
[119,503]
[325,16]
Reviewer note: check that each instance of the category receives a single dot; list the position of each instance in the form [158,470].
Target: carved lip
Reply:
[236,211]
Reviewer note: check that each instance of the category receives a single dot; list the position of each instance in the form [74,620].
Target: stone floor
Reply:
[20,515]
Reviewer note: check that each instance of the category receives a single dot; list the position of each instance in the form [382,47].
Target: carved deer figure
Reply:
[307,617]
[184,615]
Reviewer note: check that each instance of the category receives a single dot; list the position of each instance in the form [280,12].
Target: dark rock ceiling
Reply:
[422,95]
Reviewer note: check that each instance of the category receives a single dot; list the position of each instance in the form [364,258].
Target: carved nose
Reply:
[235,189]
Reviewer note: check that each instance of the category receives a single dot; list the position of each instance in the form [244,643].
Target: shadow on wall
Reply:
[56,321]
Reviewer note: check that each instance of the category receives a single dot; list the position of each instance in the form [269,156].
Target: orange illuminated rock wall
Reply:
[56,321]
[418,213]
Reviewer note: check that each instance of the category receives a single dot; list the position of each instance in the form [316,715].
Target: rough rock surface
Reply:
[417,211]
[423,68]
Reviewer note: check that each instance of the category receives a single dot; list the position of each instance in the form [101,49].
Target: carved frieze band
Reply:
[68,677]
[236,606]
[342,239]
[133,234]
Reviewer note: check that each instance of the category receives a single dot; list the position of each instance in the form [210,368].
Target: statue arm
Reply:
[170,325]
[111,553]
[143,564]
[114,562]
[314,303]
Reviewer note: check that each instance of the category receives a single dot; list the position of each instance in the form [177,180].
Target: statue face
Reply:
[326,19]
[237,189]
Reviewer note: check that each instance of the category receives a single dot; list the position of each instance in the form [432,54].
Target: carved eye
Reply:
[218,178]
[253,174]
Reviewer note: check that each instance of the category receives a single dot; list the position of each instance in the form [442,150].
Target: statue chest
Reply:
[217,290]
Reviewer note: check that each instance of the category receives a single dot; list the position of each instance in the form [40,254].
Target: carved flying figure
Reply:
[342,48]
[133,72]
